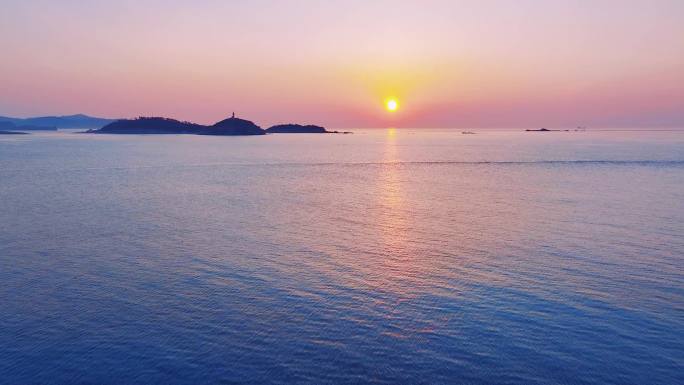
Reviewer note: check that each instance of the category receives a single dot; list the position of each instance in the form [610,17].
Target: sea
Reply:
[386,256]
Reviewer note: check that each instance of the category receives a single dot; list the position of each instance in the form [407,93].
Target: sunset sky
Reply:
[520,63]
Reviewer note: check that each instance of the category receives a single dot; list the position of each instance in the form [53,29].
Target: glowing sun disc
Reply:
[392,105]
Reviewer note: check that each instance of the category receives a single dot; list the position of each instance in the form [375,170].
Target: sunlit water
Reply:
[387,256]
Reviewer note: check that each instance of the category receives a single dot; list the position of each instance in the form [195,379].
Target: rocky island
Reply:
[544,130]
[13,133]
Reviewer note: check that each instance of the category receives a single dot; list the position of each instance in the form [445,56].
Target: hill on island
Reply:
[56,122]
[233,126]
[149,125]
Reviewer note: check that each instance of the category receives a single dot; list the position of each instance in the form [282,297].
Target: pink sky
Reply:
[599,63]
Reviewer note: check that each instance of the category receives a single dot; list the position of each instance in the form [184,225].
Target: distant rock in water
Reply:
[149,125]
[297,129]
[546,130]
[13,133]
[233,126]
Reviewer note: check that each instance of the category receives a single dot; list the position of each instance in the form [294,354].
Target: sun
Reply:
[392,105]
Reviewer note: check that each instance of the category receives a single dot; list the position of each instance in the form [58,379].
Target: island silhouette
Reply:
[232,126]
[155,125]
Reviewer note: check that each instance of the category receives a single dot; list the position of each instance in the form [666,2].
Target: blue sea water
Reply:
[387,256]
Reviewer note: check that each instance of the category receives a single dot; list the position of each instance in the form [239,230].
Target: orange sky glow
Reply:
[485,63]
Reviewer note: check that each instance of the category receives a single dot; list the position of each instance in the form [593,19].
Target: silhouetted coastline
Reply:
[232,126]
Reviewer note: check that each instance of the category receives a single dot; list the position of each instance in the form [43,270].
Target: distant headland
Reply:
[8,126]
[52,123]
[232,126]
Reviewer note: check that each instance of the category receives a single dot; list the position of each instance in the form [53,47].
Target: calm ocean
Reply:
[386,256]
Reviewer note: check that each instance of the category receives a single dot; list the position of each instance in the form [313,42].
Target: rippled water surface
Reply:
[387,256]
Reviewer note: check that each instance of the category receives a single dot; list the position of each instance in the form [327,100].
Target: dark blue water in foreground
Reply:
[394,257]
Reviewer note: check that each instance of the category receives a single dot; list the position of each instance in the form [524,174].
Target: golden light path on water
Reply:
[399,269]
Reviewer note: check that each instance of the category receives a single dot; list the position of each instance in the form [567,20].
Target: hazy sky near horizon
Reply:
[601,63]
